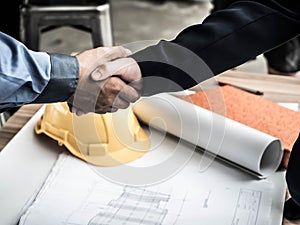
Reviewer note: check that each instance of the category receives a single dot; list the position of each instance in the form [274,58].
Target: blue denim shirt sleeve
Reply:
[27,76]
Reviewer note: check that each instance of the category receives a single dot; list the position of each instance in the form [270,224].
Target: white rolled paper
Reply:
[239,144]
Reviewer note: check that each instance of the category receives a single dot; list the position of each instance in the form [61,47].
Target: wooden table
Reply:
[275,88]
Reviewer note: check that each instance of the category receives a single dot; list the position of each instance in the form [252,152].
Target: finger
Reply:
[137,85]
[107,109]
[89,60]
[80,113]
[113,109]
[77,111]
[120,103]
[126,68]
[108,96]
[116,52]
[129,94]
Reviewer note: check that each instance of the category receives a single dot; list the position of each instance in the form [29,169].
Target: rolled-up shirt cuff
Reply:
[63,81]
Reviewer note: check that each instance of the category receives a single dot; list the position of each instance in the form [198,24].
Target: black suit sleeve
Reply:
[225,39]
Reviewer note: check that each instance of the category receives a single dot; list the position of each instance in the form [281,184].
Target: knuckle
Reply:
[113,89]
[102,69]
[107,101]
[124,105]
[111,101]
[100,51]
[114,52]
[136,96]
[115,85]
[122,51]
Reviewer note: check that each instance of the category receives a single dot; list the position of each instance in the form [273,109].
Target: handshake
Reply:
[108,80]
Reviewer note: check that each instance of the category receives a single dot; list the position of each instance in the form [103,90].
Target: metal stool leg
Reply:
[2,119]
[30,29]
[102,34]
[96,33]
[106,27]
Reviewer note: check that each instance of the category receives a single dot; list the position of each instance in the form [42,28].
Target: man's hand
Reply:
[122,83]
[107,82]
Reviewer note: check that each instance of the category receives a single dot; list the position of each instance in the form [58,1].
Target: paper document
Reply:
[75,195]
[250,149]
[278,120]
[73,192]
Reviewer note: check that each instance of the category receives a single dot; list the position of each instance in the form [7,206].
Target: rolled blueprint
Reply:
[236,143]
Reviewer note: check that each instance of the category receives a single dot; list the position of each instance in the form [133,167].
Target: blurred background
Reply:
[140,20]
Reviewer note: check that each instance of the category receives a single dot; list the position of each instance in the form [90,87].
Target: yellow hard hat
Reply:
[100,139]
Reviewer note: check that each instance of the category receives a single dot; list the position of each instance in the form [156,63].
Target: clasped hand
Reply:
[109,80]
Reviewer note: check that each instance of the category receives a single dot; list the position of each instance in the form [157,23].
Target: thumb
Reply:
[97,75]
[107,69]
[125,68]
